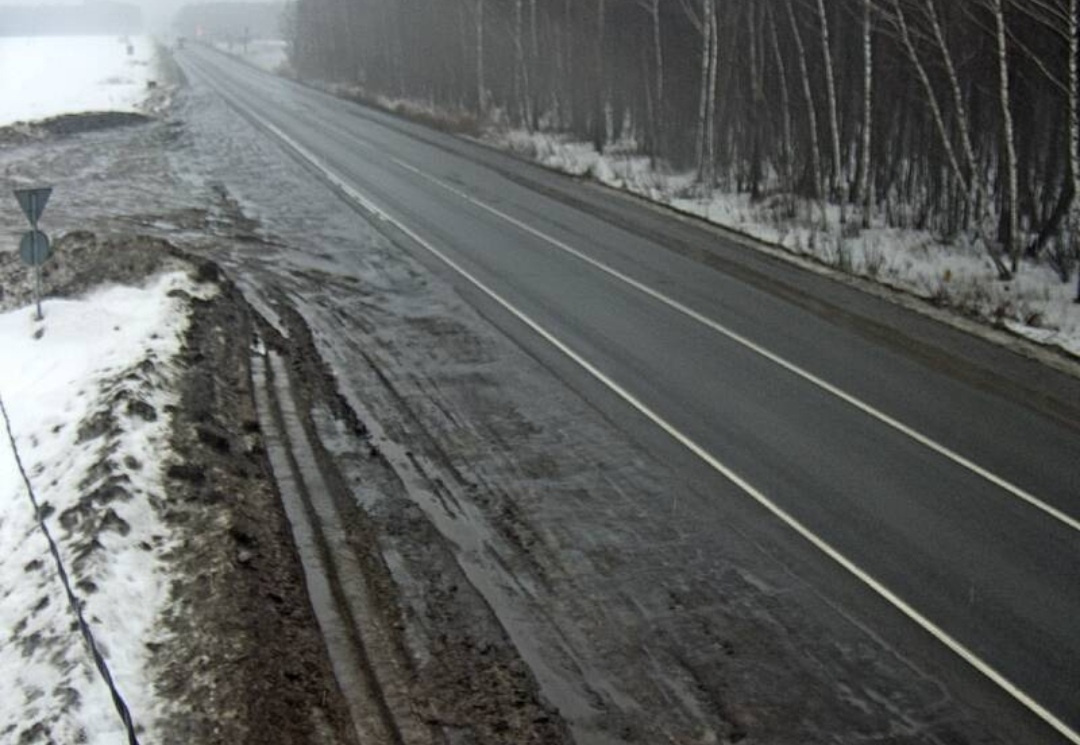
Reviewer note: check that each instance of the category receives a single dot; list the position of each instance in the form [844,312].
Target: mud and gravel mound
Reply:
[67,125]
[251,667]
[82,260]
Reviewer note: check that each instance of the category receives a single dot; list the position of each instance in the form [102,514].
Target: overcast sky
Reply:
[157,14]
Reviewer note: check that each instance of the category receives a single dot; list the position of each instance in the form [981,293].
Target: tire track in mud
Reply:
[695,662]
[702,625]
[418,654]
[361,652]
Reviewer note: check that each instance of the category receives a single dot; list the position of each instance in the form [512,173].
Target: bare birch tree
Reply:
[522,96]
[966,179]
[481,87]
[838,181]
[786,148]
[811,113]
[705,28]
[1073,26]
[865,195]
[986,95]
[658,91]
[1012,212]
[757,100]
[710,126]
[600,100]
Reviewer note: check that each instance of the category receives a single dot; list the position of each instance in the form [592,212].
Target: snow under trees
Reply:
[957,118]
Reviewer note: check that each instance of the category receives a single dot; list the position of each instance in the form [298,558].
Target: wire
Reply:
[73,601]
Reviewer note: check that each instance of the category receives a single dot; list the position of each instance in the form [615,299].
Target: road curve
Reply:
[940,471]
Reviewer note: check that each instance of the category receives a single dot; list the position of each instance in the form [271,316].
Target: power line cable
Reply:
[73,601]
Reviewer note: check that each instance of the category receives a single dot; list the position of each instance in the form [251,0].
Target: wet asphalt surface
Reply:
[652,598]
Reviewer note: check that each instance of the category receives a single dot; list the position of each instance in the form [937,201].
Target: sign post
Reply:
[34,247]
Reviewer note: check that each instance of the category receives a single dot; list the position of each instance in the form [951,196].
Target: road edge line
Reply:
[771,356]
[925,623]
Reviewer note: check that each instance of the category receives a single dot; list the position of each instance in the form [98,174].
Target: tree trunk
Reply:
[946,142]
[1058,216]
[838,183]
[811,115]
[521,75]
[974,184]
[786,150]
[660,144]
[1074,137]
[481,87]
[865,196]
[928,88]
[757,104]
[599,123]
[703,102]
[565,79]
[1012,242]
[710,158]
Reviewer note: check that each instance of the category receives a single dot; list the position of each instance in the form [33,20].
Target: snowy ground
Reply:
[87,391]
[1036,304]
[46,76]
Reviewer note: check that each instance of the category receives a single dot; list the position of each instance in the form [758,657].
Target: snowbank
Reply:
[1036,304]
[45,76]
[88,392]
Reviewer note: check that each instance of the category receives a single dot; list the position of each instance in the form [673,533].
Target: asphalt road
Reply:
[937,469]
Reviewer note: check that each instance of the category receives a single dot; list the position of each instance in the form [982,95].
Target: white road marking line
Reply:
[896,601]
[848,398]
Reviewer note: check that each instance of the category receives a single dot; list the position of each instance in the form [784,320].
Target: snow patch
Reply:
[1035,304]
[88,391]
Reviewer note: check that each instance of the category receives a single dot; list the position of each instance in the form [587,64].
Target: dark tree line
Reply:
[958,116]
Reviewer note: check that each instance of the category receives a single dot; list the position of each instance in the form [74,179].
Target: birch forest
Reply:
[954,116]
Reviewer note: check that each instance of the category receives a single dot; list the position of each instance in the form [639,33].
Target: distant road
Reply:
[941,471]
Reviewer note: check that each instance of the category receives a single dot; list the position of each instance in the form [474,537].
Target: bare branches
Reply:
[948,116]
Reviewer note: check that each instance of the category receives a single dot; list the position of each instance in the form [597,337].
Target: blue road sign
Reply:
[33,202]
[34,248]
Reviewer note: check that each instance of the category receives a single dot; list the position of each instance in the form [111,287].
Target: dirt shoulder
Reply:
[503,529]
[252,666]
[246,659]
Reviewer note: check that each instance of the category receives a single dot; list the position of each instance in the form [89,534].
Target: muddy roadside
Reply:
[244,661]
[247,660]
[476,494]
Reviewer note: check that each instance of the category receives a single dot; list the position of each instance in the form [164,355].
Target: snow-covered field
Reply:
[46,76]
[1036,304]
[88,406]
[86,391]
